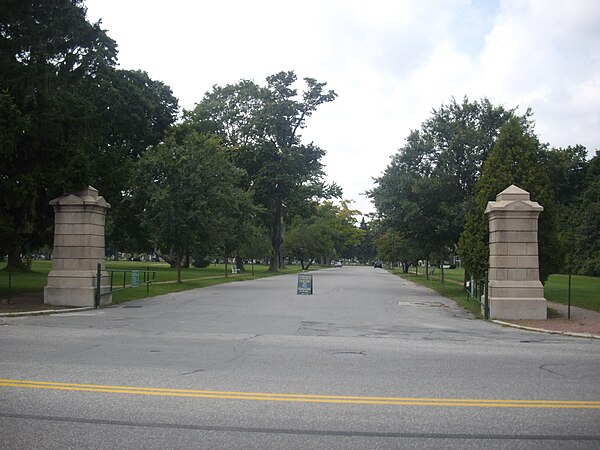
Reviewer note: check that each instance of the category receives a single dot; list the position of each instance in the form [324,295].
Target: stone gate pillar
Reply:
[515,290]
[79,221]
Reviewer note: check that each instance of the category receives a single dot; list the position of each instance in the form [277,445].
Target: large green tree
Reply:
[366,251]
[134,112]
[261,125]
[68,117]
[329,232]
[429,185]
[191,199]
[394,247]
[48,52]
[584,241]
[515,159]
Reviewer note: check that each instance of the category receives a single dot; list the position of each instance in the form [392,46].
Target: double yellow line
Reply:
[301,398]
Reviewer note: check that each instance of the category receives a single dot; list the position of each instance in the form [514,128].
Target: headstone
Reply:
[79,221]
[515,290]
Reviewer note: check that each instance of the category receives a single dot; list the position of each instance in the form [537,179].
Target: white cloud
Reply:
[390,63]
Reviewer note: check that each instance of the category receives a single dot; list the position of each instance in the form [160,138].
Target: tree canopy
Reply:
[191,196]
[260,126]
[426,190]
[68,117]
[515,159]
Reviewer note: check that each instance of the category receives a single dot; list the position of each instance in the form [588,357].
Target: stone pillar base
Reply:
[518,308]
[517,300]
[75,288]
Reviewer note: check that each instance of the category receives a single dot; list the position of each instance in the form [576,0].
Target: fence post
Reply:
[486,301]
[569,308]
[98,280]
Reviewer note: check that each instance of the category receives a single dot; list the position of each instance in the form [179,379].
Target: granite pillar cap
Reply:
[87,196]
[513,198]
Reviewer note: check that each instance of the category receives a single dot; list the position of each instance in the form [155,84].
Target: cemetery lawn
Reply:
[32,283]
[585,291]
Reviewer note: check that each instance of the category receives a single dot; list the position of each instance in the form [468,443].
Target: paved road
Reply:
[368,361]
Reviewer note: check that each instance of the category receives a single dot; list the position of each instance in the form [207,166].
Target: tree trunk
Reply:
[239,263]
[171,259]
[276,231]
[405,266]
[14,260]
[186,261]
[178,266]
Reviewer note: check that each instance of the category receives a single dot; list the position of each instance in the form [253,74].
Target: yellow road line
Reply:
[302,398]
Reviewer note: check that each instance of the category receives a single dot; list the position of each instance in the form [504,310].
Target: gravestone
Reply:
[79,221]
[515,289]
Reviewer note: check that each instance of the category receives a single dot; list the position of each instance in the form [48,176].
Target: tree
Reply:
[254,244]
[566,168]
[49,52]
[365,251]
[428,187]
[515,159]
[261,128]
[584,254]
[328,233]
[68,117]
[393,247]
[134,112]
[309,242]
[191,195]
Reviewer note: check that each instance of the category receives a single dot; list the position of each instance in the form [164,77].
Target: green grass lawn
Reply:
[34,281]
[585,291]
[451,288]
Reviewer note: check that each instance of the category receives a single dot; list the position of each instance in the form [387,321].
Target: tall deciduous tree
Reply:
[584,243]
[330,232]
[428,186]
[365,251]
[191,195]
[68,117]
[48,51]
[515,159]
[393,247]
[261,127]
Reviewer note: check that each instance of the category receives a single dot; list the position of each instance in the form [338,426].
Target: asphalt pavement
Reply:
[367,361]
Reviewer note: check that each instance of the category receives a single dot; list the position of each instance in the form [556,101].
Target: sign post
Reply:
[305,284]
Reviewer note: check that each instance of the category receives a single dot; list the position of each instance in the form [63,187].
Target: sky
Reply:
[391,62]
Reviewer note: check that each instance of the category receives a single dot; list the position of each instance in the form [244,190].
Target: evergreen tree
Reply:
[514,159]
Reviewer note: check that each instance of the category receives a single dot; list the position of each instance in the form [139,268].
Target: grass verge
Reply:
[451,288]
[585,291]
[32,283]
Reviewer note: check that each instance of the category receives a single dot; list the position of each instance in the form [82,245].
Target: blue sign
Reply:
[135,278]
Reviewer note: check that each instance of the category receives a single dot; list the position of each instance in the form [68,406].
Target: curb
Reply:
[45,311]
[542,330]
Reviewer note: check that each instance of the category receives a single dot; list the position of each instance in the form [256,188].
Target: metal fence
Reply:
[477,289]
[136,278]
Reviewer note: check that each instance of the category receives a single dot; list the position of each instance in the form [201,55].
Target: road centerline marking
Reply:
[302,398]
